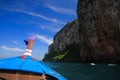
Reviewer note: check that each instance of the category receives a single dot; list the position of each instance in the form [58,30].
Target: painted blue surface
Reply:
[30,65]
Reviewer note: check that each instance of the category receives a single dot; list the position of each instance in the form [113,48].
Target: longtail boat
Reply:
[25,67]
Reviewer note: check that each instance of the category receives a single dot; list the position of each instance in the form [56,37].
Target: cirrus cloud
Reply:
[11,49]
[61,10]
[37,15]
[43,39]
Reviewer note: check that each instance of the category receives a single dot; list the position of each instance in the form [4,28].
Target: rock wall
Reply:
[64,41]
[99,22]
[68,35]
[97,39]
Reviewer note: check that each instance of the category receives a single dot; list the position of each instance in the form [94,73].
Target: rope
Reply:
[43,77]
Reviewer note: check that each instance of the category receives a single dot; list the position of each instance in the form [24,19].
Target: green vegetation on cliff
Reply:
[60,56]
[70,53]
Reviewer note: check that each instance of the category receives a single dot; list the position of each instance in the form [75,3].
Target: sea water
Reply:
[86,71]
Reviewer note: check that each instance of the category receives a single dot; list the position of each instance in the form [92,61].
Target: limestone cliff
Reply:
[65,46]
[95,39]
[99,27]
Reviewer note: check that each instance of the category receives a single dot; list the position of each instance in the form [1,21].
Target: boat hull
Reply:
[20,75]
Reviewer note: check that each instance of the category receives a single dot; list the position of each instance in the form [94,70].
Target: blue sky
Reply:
[42,19]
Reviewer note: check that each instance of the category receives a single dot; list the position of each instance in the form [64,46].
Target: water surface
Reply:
[87,71]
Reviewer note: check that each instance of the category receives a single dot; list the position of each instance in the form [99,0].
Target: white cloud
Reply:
[39,15]
[44,27]
[15,42]
[51,27]
[43,39]
[11,49]
[61,10]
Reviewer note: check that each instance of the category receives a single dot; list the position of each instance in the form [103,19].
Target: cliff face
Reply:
[97,39]
[99,27]
[68,35]
[65,45]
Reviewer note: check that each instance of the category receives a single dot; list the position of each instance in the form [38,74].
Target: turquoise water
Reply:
[80,71]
